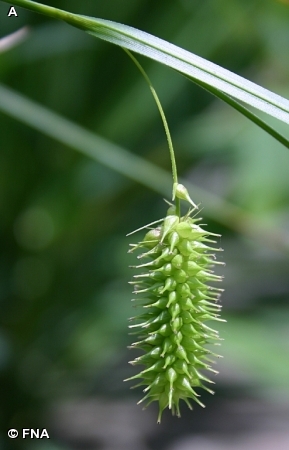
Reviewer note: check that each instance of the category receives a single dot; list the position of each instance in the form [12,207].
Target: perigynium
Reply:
[173,288]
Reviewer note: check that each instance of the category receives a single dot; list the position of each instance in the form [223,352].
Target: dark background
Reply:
[64,270]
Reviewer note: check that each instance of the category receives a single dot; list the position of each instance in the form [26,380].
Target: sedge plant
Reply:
[177,255]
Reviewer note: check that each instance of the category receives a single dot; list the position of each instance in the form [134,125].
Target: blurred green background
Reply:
[64,270]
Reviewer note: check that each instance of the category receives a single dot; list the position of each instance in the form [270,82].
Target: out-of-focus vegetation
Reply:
[64,264]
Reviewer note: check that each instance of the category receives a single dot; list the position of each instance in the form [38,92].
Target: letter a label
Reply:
[12,12]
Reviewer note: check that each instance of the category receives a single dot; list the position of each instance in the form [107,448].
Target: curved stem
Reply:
[165,123]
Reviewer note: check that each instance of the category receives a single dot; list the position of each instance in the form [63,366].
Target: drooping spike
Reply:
[177,302]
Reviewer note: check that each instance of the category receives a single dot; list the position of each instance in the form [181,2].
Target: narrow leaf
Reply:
[199,69]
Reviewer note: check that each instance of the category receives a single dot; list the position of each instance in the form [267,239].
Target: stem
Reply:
[165,123]
[135,168]
[44,9]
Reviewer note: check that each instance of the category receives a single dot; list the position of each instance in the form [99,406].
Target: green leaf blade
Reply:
[193,66]
[203,72]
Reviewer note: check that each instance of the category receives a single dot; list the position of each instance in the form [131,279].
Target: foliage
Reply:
[64,215]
